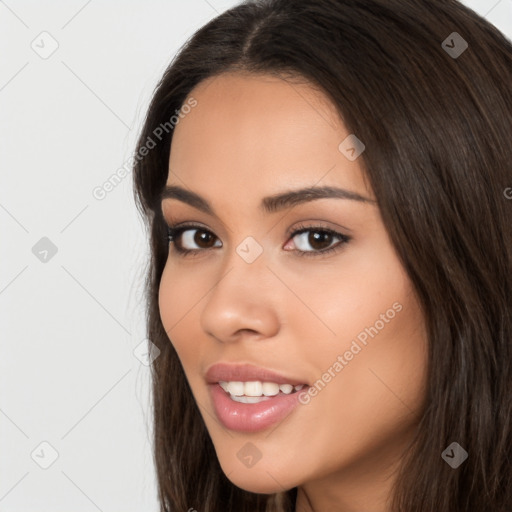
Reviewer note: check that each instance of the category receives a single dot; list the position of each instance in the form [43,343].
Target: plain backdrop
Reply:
[75,81]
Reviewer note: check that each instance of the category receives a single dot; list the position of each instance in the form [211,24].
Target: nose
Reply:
[245,302]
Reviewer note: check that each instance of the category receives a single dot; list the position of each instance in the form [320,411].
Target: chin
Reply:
[258,479]
[257,483]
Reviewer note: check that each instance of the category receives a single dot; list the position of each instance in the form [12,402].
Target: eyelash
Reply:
[174,232]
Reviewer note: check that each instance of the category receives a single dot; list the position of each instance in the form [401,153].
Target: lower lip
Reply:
[252,417]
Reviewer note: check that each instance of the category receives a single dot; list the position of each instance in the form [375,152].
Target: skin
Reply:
[252,136]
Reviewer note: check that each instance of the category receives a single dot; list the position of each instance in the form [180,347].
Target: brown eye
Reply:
[319,239]
[201,238]
[188,238]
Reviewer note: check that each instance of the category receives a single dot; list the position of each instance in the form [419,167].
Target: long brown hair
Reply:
[436,119]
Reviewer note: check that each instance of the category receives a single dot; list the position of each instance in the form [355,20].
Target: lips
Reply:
[247,372]
[261,413]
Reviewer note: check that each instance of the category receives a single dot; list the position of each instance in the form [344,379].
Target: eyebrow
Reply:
[270,204]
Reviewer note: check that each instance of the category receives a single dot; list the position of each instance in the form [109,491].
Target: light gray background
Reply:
[70,324]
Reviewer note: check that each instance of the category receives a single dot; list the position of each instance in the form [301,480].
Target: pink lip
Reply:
[250,417]
[247,372]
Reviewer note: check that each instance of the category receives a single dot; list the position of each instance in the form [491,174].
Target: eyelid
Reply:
[317,224]
[292,229]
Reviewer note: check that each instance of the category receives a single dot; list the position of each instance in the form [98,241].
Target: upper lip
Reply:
[247,372]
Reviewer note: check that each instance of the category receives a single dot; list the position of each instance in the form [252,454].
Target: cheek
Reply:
[176,298]
[179,293]
[377,397]
[370,318]
[366,296]
[379,392]
[167,301]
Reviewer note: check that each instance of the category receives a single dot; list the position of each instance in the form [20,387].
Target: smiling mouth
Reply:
[253,392]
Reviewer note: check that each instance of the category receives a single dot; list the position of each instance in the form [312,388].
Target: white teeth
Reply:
[256,389]
[270,388]
[249,399]
[253,388]
[286,388]
[235,388]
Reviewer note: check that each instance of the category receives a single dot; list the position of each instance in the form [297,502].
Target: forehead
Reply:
[255,134]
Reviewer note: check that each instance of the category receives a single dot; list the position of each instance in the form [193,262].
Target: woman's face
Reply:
[345,323]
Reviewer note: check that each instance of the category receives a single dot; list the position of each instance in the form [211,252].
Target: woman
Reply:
[374,373]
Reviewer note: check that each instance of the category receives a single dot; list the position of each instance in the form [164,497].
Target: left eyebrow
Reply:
[270,204]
